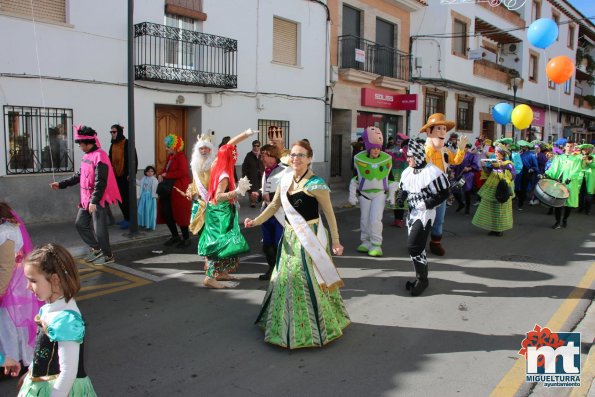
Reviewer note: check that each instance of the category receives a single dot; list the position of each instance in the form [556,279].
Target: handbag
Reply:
[502,191]
[165,187]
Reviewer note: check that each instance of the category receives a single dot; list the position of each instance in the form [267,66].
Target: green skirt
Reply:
[296,312]
[81,387]
[492,215]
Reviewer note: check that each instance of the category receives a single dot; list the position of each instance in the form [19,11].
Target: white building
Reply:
[220,66]
[468,57]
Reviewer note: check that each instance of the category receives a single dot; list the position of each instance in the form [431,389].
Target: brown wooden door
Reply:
[168,120]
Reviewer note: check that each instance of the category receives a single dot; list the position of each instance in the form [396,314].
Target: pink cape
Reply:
[20,303]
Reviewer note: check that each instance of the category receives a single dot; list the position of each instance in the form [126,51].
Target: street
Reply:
[154,330]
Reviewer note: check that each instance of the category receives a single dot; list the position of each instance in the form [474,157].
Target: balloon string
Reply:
[41,86]
[547,88]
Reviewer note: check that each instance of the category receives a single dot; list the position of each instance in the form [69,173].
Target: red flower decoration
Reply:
[540,337]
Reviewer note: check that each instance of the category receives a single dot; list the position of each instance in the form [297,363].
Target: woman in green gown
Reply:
[303,306]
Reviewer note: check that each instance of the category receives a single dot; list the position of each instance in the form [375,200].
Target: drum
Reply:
[551,192]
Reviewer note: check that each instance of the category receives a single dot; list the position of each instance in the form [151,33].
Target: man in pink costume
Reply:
[98,189]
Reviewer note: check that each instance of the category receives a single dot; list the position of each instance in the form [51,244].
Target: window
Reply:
[179,53]
[38,140]
[285,41]
[46,10]
[280,128]
[535,11]
[556,18]
[385,43]
[351,21]
[434,103]
[551,85]
[571,37]
[568,86]
[460,39]
[533,67]
[464,113]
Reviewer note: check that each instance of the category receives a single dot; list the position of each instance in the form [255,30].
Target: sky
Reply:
[586,7]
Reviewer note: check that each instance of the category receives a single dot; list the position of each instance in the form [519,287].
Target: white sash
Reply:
[324,269]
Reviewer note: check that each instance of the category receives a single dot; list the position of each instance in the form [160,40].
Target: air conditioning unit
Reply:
[510,49]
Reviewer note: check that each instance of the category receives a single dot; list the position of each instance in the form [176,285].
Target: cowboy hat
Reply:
[438,119]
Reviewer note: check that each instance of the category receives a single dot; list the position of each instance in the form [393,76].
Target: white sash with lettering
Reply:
[315,245]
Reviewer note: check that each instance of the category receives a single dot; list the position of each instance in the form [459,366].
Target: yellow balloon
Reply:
[522,116]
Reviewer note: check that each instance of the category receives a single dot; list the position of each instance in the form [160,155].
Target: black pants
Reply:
[584,198]
[416,245]
[168,215]
[125,204]
[558,213]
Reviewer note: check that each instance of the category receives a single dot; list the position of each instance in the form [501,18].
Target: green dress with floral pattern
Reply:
[296,312]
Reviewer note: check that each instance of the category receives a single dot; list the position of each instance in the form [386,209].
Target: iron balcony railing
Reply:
[377,58]
[172,55]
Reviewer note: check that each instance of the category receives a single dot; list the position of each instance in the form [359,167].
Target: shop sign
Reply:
[538,117]
[360,55]
[388,100]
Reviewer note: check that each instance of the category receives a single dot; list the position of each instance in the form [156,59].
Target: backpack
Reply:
[502,191]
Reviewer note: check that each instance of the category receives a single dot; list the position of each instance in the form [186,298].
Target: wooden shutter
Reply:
[46,10]
[284,41]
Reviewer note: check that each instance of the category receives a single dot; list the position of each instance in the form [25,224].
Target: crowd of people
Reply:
[43,331]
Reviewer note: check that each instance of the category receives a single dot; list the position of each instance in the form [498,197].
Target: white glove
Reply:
[243,186]
[422,206]
[250,132]
[391,199]
[352,189]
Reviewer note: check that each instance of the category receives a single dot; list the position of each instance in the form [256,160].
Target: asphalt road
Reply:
[154,330]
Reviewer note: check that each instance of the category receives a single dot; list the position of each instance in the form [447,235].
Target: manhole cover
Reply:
[521,259]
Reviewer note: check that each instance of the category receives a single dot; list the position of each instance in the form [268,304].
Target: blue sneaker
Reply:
[124,225]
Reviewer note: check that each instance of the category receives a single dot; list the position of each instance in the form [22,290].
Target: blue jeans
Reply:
[440,212]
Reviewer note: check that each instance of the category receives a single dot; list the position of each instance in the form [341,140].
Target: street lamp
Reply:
[515,85]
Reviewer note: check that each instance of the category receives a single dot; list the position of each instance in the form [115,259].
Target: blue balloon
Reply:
[542,33]
[502,112]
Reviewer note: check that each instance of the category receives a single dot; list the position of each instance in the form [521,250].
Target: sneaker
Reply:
[475,204]
[363,248]
[103,260]
[556,226]
[94,254]
[520,209]
[376,251]
[172,241]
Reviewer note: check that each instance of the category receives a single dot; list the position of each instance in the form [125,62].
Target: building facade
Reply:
[201,66]
[467,57]
[370,73]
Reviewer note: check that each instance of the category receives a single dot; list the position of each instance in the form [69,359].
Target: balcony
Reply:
[384,65]
[493,71]
[171,55]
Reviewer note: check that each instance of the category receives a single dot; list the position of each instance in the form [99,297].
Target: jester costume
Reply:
[370,186]
[425,187]
[303,306]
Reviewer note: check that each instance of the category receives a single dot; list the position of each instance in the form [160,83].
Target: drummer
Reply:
[567,169]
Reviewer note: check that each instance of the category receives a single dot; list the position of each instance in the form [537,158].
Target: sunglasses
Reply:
[298,155]
[113,132]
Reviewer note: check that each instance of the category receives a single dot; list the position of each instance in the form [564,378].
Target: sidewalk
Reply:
[65,233]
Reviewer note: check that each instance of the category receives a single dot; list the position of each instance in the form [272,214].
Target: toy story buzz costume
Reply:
[370,187]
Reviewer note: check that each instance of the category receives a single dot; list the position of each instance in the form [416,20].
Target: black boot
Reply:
[270,252]
[421,281]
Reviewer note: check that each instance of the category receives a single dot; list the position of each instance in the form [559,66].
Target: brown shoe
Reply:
[436,247]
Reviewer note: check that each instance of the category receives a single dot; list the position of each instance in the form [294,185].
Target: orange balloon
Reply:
[560,69]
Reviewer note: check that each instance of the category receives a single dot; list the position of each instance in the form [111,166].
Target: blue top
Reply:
[1,359]
[66,325]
